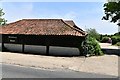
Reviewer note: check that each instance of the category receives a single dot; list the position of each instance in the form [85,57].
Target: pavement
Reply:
[107,64]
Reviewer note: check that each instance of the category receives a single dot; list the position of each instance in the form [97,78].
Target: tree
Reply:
[117,34]
[2,20]
[112,12]
[93,33]
[92,46]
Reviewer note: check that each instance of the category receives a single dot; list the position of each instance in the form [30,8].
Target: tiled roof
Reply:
[41,27]
[71,23]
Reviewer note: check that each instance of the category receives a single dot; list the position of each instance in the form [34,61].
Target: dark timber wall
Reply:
[45,40]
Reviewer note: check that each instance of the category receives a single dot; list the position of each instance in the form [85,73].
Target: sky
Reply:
[85,14]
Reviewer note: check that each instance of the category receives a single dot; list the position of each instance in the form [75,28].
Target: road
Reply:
[11,71]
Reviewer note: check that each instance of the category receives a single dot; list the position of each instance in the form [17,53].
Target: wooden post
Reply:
[2,47]
[80,53]
[23,47]
[47,50]
[23,44]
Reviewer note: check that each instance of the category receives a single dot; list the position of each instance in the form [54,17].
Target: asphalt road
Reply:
[10,71]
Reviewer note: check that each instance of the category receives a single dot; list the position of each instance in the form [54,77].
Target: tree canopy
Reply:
[2,20]
[112,12]
[93,33]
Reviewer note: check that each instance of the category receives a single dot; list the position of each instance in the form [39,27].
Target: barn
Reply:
[45,32]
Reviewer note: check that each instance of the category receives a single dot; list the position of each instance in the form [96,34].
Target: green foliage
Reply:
[93,46]
[117,44]
[112,11]
[117,34]
[2,20]
[105,39]
[93,33]
[115,39]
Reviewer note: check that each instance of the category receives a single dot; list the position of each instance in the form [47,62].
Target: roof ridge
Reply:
[28,20]
[41,19]
[12,23]
[74,28]
[68,20]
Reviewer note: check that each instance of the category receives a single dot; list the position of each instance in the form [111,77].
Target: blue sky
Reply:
[84,14]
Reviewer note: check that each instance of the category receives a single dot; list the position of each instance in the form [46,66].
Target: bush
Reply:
[105,39]
[93,47]
[98,50]
[117,44]
[115,39]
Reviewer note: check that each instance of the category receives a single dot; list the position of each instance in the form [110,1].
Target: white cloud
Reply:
[70,15]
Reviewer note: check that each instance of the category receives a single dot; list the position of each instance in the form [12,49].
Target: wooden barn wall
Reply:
[50,40]
[0,38]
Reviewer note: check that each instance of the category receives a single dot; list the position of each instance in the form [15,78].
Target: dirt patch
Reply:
[107,64]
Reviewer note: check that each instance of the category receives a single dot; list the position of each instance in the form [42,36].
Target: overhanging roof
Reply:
[42,27]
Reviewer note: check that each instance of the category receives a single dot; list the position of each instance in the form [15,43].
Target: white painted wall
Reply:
[53,50]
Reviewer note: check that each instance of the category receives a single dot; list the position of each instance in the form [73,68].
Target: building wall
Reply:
[59,45]
[54,50]
[59,40]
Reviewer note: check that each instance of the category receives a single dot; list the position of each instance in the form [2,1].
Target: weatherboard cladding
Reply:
[42,27]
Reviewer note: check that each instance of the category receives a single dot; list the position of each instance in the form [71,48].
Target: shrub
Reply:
[93,47]
[117,44]
[115,39]
[105,39]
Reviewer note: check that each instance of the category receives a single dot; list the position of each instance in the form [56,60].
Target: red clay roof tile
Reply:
[42,27]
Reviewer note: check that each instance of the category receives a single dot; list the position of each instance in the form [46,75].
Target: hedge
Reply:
[115,39]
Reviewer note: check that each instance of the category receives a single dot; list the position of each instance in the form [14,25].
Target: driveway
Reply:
[108,46]
[110,49]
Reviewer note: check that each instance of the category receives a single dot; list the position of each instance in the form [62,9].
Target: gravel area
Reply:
[107,64]
[108,46]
